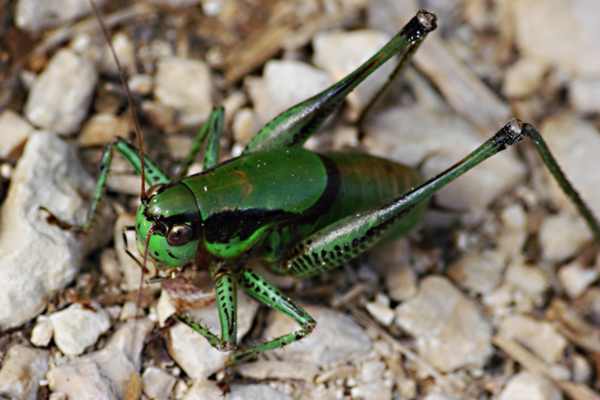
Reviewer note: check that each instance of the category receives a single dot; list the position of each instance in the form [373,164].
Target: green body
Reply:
[268,200]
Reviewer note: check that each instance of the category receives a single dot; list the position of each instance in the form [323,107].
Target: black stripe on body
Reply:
[332,188]
[222,227]
[242,223]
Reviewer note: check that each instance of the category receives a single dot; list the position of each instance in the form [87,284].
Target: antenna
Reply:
[132,109]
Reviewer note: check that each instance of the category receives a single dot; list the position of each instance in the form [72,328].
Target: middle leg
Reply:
[226,291]
[264,292]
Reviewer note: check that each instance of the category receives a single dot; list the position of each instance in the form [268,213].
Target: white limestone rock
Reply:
[528,386]
[107,373]
[38,258]
[76,328]
[186,86]
[449,330]
[539,336]
[283,84]
[33,15]
[22,370]
[541,27]
[14,130]
[158,384]
[60,96]
[42,332]
[337,338]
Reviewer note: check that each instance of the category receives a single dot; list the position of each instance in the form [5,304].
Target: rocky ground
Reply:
[494,297]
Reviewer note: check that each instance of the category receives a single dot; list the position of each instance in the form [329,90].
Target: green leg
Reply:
[562,180]
[152,172]
[382,90]
[337,243]
[226,289]
[153,176]
[212,128]
[295,125]
[269,295]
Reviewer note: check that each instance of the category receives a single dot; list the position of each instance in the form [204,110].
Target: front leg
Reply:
[152,174]
[226,290]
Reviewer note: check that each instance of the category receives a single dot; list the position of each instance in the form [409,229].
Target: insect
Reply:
[302,212]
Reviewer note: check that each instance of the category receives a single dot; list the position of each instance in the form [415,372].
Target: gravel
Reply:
[495,295]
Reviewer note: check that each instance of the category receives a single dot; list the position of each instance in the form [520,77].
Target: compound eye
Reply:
[179,235]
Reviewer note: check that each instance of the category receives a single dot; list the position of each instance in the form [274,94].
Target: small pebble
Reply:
[400,277]
[280,370]
[478,272]
[528,279]
[176,3]
[539,336]
[245,125]
[14,130]
[124,183]
[372,370]
[130,270]
[284,83]
[181,388]
[543,37]
[129,310]
[439,396]
[381,312]
[513,232]
[186,86]
[584,95]
[575,278]
[528,386]
[337,338]
[125,51]
[523,78]
[109,265]
[164,308]
[103,128]
[582,370]
[448,328]
[42,332]
[204,390]
[556,246]
[33,15]
[141,84]
[158,384]
[374,390]
[401,283]
[76,328]
[108,373]
[61,95]
[22,370]
[256,392]
[161,115]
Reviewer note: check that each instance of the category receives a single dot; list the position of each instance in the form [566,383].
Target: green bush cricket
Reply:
[302,212]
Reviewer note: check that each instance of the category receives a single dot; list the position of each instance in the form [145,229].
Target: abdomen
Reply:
[366,182]
[360,182]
